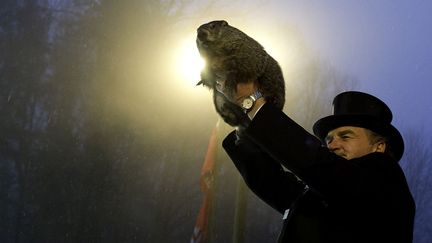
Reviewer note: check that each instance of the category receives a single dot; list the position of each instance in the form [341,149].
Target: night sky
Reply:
[386,45]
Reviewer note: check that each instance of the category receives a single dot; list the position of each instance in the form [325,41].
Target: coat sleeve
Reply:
[284,140]
[264,176]
[281,141]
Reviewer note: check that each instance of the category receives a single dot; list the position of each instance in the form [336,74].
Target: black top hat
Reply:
[353,108]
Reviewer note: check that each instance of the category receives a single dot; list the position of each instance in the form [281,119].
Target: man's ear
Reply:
[380,147]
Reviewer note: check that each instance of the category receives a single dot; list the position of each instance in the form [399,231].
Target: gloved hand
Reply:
[229,111]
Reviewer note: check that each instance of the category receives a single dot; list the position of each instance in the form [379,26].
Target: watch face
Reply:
[247,103]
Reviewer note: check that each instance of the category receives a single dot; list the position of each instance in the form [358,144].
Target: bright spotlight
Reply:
[190,62]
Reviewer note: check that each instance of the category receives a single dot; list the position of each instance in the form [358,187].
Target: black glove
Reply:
[230,112]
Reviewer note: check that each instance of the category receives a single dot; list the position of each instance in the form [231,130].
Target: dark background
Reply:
[102,139]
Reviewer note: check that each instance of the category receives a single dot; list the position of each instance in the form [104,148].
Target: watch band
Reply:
[256,95]
[252,98]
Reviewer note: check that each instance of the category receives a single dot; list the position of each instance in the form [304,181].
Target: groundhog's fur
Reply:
[233,56]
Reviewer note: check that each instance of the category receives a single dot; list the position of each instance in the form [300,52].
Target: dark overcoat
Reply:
[322,197]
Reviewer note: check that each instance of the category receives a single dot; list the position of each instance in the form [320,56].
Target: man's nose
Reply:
[333,145]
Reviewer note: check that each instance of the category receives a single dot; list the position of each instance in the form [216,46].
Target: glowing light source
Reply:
[190,62]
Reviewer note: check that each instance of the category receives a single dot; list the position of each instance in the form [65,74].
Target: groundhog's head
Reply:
[216,41]
[210,34]
[211,31]
[217,38]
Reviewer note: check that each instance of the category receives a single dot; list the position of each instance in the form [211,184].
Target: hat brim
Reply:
[395,140]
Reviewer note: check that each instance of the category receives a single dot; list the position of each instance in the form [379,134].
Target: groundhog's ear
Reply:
[224,23]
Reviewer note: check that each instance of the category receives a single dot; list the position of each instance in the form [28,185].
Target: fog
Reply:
[104,132]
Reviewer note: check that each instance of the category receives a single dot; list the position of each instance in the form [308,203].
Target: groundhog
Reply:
[234,57]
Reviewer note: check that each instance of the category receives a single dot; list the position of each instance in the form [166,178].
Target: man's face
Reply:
[351,142]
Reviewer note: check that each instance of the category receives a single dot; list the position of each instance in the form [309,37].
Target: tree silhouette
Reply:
[416,164]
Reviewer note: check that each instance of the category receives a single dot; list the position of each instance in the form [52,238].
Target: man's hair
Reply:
[378,138]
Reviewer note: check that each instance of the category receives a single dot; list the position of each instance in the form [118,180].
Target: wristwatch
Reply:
[249,102]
